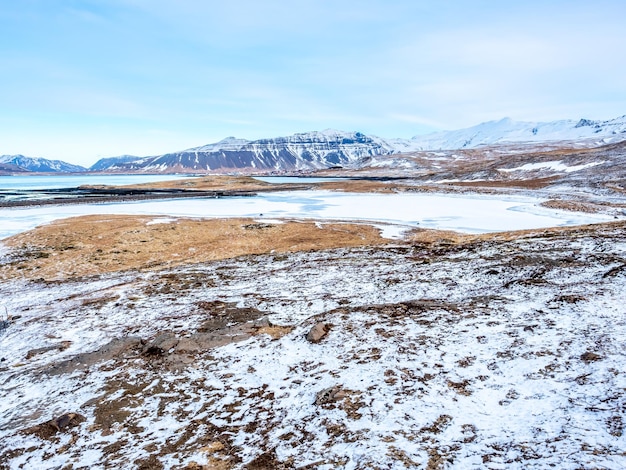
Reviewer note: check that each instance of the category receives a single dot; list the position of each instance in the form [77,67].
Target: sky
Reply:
[87,79]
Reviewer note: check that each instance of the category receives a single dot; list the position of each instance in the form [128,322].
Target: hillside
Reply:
[584,133]
[500,351]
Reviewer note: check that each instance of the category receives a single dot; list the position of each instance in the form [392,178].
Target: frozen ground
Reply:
[465,213]
[500,354]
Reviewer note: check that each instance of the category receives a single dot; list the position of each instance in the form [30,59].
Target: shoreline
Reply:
[96,195]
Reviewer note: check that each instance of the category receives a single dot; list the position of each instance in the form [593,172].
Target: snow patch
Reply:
[161,220]
[554,165]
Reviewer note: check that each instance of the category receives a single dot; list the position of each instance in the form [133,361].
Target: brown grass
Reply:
[573,206]
[205,183]
[244,183]
[448,237]
[91,245]
[536,183]
[361,186]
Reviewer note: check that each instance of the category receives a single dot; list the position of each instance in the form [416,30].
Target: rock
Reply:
[56,425]
[62,346]
[590,357]
[329,395]
[189,345]
[317,333]
[115,348]
[262,323]
[161,344]
[35,352]
[67,420]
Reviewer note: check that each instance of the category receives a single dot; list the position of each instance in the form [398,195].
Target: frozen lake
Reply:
[465,213]
[73,181]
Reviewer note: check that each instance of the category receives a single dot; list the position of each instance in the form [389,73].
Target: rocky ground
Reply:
[438,351]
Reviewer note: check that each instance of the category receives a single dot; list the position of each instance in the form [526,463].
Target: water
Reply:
[73,181]
[464,213]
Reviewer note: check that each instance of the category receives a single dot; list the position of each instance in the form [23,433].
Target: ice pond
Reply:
[394,212]
[73,181]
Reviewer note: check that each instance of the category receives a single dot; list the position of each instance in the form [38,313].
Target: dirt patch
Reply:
[104,244]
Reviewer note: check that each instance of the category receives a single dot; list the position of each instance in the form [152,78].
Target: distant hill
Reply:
[508,131]
[106,163]
[20,163]
[317,150]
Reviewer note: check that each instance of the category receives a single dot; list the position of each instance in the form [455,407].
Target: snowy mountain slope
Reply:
[600,170]
[41,165]
[507,130]
[105,163]
[304,151]
[328,148]
[9,168]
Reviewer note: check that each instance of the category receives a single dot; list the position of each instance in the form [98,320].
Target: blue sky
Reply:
[84,79]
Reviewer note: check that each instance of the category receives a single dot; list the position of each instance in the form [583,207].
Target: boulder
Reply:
[329,395]
[59,424]
[161,344]
[318,332]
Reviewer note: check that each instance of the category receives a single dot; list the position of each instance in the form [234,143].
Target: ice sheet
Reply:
[465,213]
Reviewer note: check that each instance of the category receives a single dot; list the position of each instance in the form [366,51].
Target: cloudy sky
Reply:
[84,79]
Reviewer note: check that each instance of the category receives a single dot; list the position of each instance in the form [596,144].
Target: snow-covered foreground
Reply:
[465,213]
[495,354]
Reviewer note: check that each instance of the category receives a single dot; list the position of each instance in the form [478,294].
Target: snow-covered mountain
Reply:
[508,131]
[105,163]
[305,151]
[316,150]
[39,165]
[329,148]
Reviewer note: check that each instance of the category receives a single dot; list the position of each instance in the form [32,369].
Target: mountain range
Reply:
[21,164]
[332,148]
